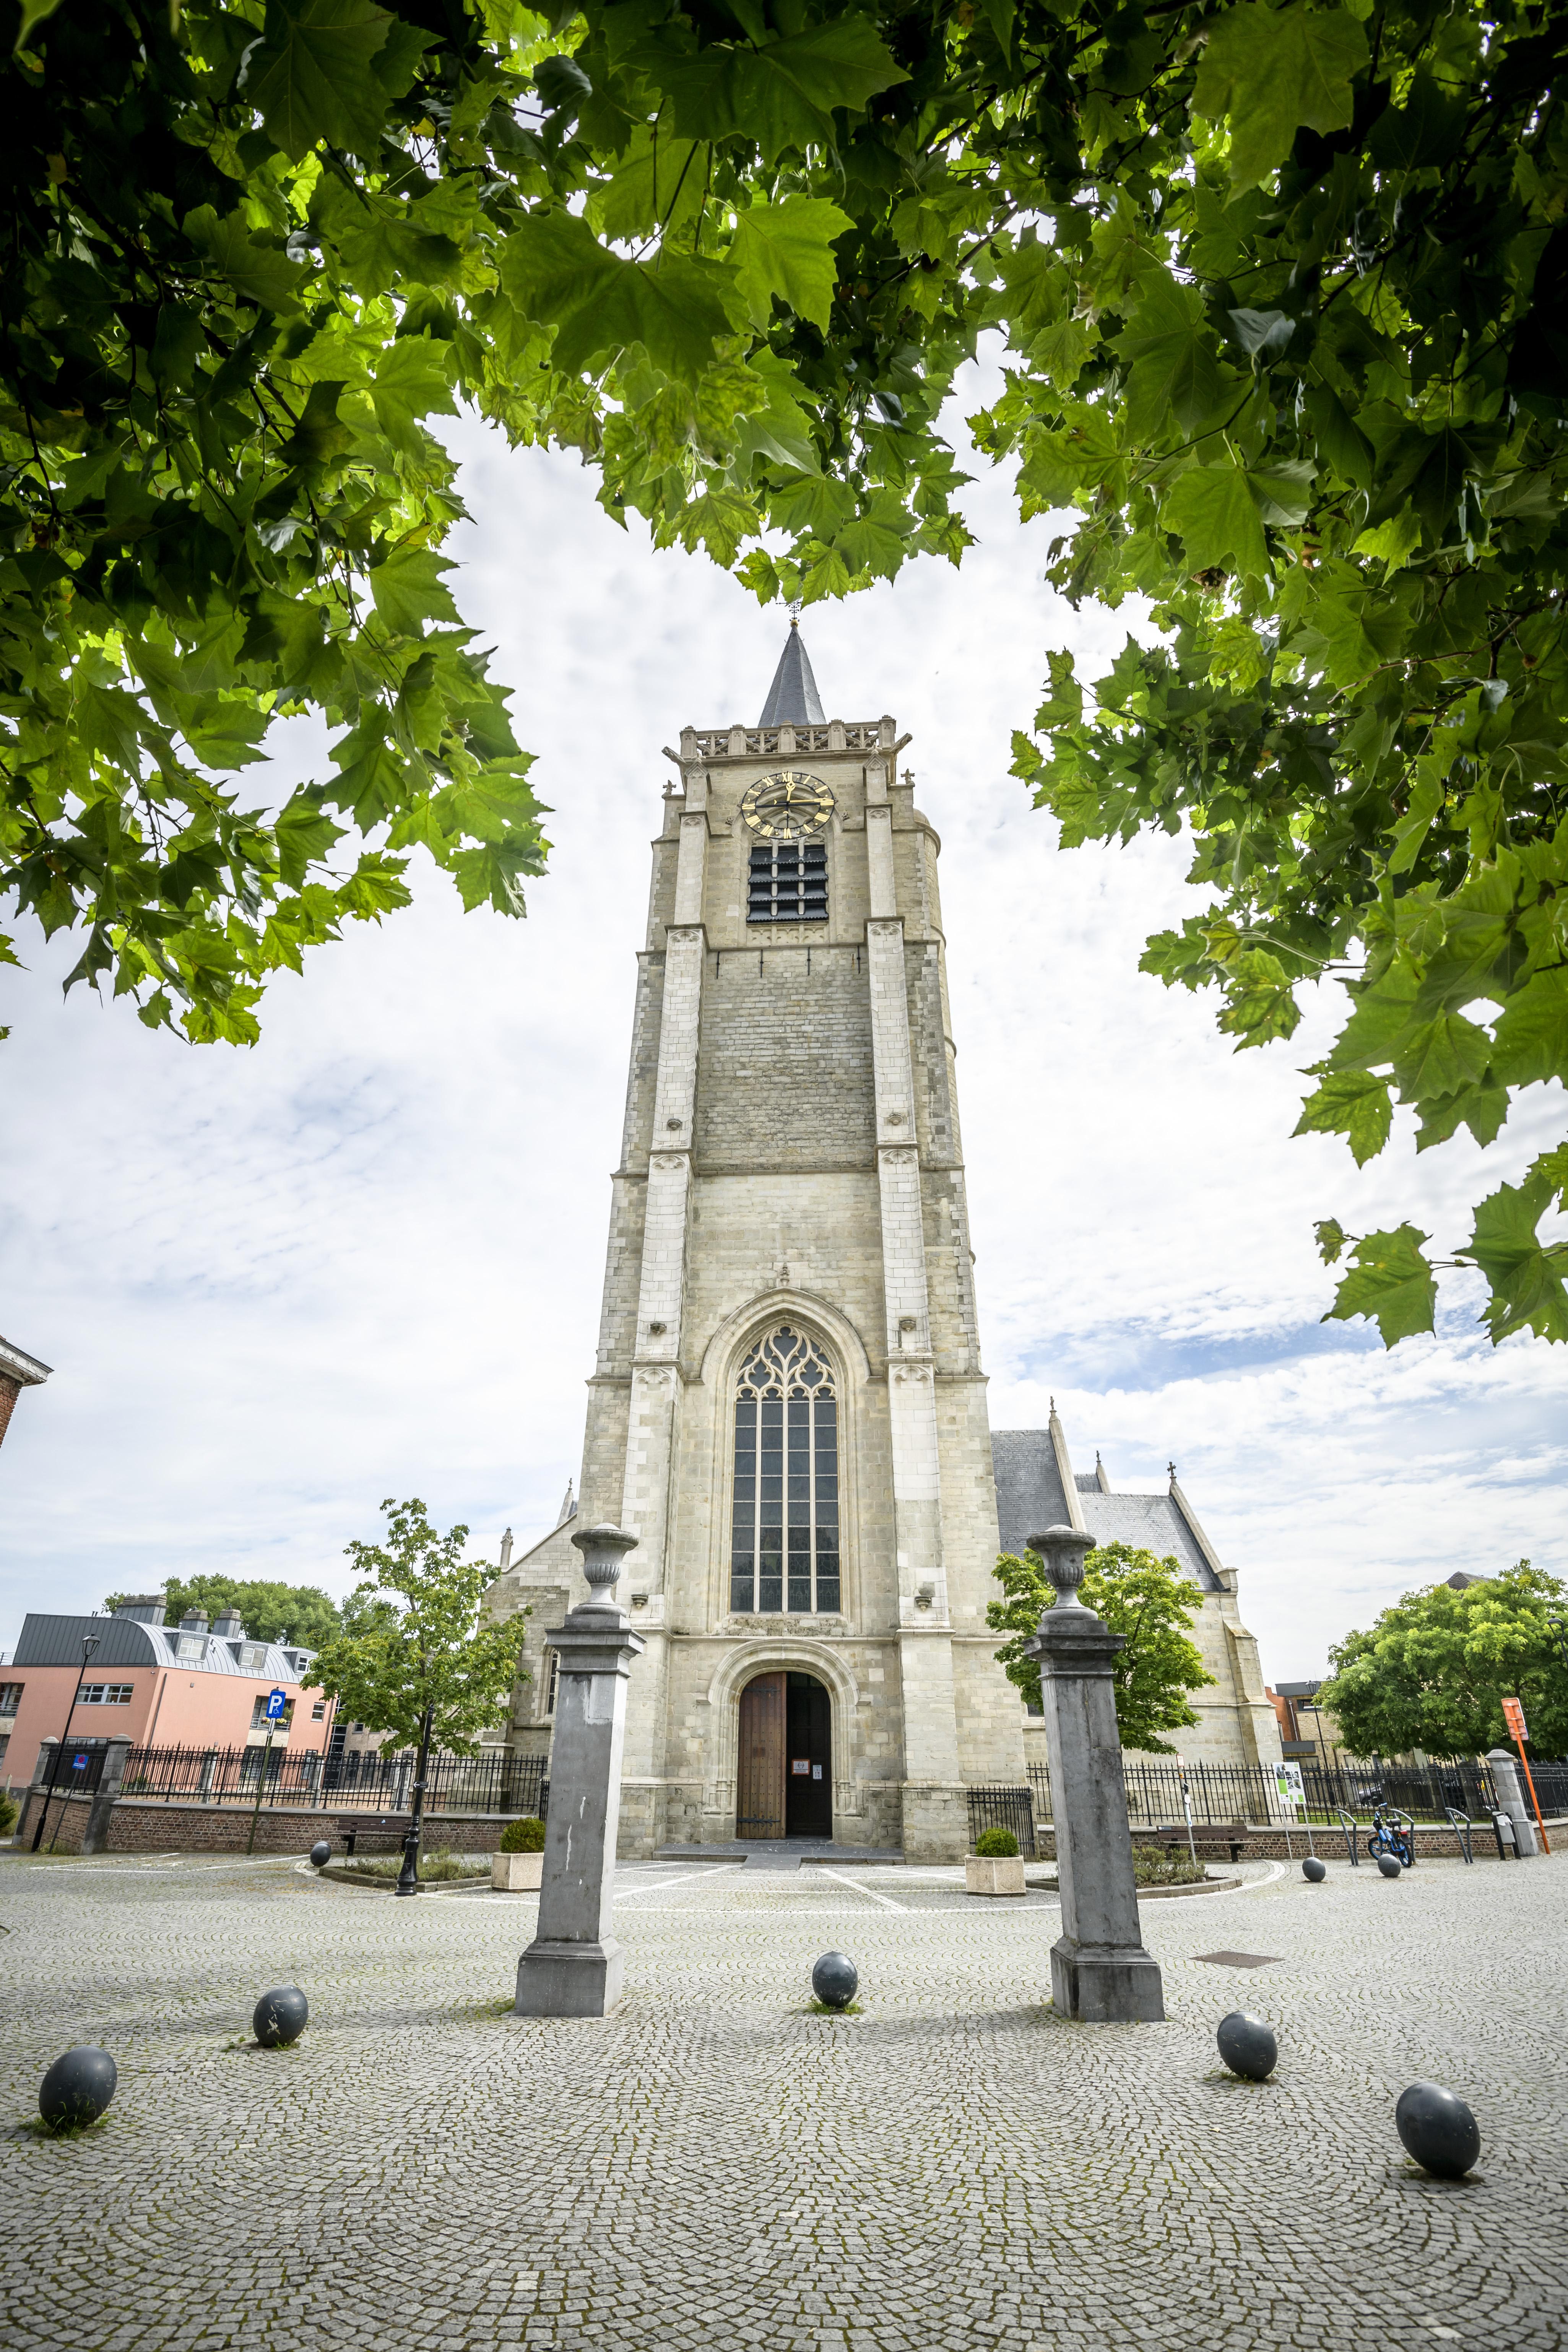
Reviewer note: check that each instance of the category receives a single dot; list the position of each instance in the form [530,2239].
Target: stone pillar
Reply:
[1100,1972]
[95,1839]
[1513,1802]
[573,1968]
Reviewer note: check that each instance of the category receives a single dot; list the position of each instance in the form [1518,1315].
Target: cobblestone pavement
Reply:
[716,2165]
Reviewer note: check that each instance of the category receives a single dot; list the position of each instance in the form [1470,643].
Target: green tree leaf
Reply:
[310,77]
[1272,71]
[1390,1282]
[557,272]
[408,590]
[1217,515]
[786,250]
[1353,1103]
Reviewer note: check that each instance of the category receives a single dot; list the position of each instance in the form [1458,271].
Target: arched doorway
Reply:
[784,1781]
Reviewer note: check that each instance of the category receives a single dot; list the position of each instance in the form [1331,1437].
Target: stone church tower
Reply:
[788,1408]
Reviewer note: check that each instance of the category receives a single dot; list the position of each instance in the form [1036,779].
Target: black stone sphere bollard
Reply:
[835,1979]
[1390,1866]
[1315,1869]
[1248,2045]
[1438,2129]
[280,2017]
[321,1854]
[78,2087]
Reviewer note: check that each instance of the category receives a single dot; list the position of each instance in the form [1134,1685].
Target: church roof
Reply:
[792,698]
[1035,1478]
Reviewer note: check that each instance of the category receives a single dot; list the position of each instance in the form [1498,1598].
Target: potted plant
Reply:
[517,1865]
[995,1867]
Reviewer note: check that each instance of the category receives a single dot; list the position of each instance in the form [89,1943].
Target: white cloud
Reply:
[364,1258]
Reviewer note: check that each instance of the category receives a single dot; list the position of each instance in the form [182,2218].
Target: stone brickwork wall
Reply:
[784,1062]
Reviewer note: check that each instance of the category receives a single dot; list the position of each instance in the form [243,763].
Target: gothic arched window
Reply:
[785,1549]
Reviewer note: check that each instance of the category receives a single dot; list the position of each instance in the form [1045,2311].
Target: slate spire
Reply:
[792,698]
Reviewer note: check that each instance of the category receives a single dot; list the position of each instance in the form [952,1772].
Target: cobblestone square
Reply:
[716,2165]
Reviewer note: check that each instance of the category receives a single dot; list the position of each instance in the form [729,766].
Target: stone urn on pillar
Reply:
[1100,1973]
[574,1968]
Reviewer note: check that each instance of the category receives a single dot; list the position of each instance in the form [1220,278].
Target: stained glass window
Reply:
[784,1552]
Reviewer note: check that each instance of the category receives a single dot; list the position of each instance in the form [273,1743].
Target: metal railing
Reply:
[359,1781]
[1340,1783]
[1003,1809]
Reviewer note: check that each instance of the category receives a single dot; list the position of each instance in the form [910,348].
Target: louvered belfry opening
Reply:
[788,883]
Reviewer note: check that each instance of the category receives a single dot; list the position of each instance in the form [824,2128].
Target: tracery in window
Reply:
[787,883]
[784,1553]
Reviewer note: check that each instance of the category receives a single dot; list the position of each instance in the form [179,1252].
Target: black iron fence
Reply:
[1352,1784]
[1003,1809]
[357,1782]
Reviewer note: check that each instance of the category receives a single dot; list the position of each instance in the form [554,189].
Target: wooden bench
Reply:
[1209,1837]
[392,1828]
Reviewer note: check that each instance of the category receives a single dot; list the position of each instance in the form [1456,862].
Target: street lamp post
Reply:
[408,1876]
[89,1643]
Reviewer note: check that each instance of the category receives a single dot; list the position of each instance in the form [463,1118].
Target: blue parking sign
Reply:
[276,1702]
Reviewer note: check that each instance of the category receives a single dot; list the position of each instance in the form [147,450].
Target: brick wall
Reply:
[139,1827]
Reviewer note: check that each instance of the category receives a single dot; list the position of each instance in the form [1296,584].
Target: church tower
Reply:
[788,1408]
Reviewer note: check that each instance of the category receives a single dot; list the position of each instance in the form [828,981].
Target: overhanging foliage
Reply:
[1282,291]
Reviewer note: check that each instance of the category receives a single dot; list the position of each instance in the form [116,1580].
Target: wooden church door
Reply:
[760,1775]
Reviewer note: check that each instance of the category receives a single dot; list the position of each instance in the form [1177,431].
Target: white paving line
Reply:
[1275,1871]
[622,1893]
[884,1900]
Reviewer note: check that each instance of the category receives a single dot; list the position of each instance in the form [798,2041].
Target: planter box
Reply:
[998,1874]
[517,1873]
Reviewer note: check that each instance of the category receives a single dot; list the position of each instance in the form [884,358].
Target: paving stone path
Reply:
[716,2166]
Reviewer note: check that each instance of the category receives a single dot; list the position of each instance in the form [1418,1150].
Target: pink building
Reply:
[158,1685]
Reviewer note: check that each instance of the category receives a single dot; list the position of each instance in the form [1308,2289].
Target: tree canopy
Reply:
[1281,293]
[271,1611]
[1151,1600]
[1434,1669]
[417,1639]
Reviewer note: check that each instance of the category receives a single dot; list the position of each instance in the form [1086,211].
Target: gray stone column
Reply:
[574,1968]
[95,1838]
[1513,1801]
[1100,1972]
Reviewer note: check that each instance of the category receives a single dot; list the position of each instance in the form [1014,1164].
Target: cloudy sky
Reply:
[363,1258]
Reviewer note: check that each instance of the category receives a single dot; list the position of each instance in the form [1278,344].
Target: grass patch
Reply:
[821,2008]
[1154,1866]
[434,1868]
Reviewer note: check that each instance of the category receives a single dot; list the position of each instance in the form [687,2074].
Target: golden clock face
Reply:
[787,805]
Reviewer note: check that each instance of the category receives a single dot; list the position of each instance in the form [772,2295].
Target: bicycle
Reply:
[1388,1837]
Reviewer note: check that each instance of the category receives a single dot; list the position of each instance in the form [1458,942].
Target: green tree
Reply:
[420,1658]
[1434,1669]
[270,1610]
[1283,293]
[1151,1600]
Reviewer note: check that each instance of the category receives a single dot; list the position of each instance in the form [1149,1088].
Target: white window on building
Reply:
[191,1646]
[260,1718]
[106,1695]
[253,1657]
[10,1697]
[784,1550]
[319,1711]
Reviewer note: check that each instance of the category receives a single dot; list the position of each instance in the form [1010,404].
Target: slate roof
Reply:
[1029,1496]
[1153,1521]
[792,698]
